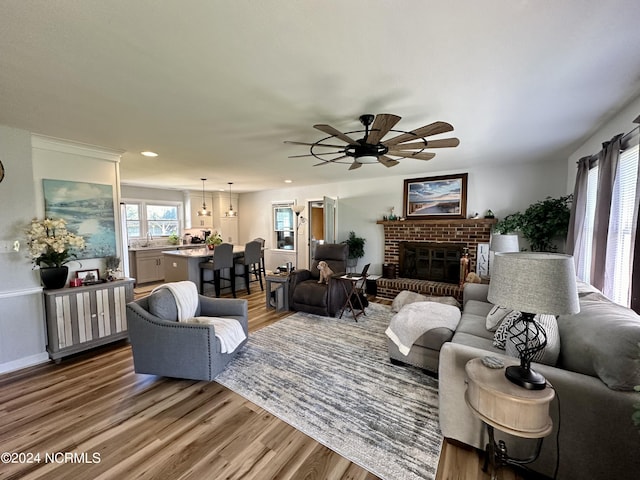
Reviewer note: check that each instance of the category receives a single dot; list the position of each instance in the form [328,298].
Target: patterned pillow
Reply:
[495,317]
[549,355]
[502,332]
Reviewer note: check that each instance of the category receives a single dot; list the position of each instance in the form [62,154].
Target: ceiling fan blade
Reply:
[445,142]
[330,161]
[337,133]
[418,156]
[432,129]
[313,154]
[314,144]
[387,162]
[381,126]
[354,165]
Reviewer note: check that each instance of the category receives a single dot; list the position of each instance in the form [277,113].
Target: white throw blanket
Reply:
[186,295]
[415,319]
[228,330]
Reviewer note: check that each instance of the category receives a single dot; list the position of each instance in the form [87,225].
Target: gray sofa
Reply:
[163,346]
[596,369]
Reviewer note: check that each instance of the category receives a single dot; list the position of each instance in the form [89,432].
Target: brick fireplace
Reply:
[464,232]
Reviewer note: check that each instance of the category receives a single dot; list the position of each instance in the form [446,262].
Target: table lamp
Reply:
[532,283]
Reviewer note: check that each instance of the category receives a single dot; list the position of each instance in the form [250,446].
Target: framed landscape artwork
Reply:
[88,210]
[444,196]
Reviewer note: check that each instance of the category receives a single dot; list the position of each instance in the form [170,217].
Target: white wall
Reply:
[621,122]
[362,202]
[22,339]
[28,159]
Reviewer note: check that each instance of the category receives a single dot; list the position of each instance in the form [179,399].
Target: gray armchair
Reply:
[307,295]
[163,346]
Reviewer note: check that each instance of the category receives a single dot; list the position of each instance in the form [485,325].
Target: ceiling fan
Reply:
[371,149]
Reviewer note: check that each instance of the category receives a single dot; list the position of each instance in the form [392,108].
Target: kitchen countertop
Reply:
[166,247]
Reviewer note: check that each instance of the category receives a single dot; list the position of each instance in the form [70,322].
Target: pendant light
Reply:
[231,212]
[204,212]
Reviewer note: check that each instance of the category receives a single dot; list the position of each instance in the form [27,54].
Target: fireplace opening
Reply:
[438,262]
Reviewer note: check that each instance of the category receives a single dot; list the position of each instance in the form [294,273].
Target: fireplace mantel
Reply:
[439,221]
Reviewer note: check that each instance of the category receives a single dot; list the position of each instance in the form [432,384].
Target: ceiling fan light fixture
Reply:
[367,159]
[231,212]
[204,212]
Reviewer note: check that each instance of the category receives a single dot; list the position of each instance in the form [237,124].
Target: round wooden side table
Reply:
[508,407]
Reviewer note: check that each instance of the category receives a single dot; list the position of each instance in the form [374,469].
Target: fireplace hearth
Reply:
[434,261]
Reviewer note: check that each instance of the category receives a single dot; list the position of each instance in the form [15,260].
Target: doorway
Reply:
[321,224]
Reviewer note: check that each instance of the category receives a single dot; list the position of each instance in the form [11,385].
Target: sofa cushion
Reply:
[549,355]
[602,340]
[162,304]
[473,320]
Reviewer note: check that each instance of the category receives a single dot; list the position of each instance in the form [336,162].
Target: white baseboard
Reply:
[24,362]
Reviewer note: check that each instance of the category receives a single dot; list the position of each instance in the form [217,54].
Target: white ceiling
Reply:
[215,86]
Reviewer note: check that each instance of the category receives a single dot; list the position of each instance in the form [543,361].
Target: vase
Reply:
[54,277]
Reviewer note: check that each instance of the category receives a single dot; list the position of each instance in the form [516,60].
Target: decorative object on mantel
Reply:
[203,212]
[444,196]
[489,214]
[231,212]
[371,149]
[51,246]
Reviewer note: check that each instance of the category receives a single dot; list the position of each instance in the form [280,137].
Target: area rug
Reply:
[332,379]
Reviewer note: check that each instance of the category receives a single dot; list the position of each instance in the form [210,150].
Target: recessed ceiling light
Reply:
[288,181]
[149,154]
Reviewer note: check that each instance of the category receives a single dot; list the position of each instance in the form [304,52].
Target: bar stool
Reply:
[251,263]
[262,242]
[222,259]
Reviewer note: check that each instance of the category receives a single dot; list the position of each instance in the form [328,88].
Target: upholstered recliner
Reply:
[163,346]
[307,295]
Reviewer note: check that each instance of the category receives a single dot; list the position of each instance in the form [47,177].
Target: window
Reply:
[284,226]
[619,239]
[155,219]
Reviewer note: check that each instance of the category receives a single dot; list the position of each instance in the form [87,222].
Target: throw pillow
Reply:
[502,332]
[407,297]
[496,316]
[162,304]
[549,355]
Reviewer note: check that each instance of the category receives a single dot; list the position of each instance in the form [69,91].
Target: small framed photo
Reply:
[89,276]
[444,196]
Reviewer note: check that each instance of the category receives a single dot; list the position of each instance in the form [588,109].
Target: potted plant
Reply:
[541,223]
[214,239]
[174,239]
[51,246]
[356,249]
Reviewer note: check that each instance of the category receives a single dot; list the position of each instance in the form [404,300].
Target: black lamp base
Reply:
[525,377]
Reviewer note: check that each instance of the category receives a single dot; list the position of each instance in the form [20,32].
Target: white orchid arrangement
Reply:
[51,244]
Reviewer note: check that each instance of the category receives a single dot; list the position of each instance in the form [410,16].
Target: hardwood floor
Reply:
[92,417]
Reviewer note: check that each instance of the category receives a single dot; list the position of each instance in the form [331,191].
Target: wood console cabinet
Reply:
[81,318]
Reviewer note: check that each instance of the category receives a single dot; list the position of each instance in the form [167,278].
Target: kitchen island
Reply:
[185,265]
